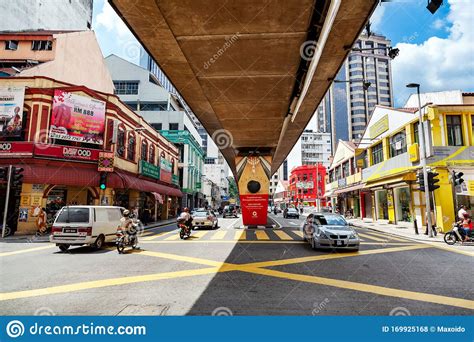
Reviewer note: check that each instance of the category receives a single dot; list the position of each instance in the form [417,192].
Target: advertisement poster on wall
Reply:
[11,111]
[77,118]
[165,172]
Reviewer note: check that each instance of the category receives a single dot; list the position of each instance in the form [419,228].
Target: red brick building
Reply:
[306,185]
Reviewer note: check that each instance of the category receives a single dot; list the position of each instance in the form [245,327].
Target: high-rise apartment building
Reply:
[370,65]
[347,106]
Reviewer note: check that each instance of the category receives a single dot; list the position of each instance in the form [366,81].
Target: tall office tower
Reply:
[372,65]
[49,15]
[315,148]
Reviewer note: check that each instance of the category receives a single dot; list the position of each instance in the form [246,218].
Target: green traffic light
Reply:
[102,187]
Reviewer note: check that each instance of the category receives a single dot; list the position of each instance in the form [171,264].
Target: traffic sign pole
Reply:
[7,198]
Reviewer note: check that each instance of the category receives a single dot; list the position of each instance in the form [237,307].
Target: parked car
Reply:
[291,213]
[325,230]
[230,211]
[205,218]
[85,225]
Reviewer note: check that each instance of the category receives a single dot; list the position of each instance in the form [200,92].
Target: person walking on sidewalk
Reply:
[433,223]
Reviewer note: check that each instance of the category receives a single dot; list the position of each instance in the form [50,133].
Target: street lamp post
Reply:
[423,158]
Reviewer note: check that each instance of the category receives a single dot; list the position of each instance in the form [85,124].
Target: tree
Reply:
[233,190]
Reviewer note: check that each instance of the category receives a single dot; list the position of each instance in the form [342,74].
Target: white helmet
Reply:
[126,212]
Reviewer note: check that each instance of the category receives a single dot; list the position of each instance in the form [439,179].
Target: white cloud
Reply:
[438,24]
[439,63]
[116,33]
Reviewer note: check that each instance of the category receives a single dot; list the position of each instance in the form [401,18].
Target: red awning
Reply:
[65,174]
[122,180]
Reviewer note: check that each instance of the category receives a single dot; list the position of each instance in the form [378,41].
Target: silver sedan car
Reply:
[326,230]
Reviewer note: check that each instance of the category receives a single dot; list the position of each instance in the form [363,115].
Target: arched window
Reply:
[144,154]
[131,147]
[121,141]
[151,158]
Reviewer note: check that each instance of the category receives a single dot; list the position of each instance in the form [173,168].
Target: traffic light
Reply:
[432,180]
[457,178]
[103,181]
[4,173]
[420,180]
[17,177]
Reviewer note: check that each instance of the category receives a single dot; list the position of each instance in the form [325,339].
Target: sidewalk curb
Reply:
[414,238]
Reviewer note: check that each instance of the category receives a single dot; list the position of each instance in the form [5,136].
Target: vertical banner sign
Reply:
[106,162]
[77,118]
[165,172]
[253,180]
[11,111]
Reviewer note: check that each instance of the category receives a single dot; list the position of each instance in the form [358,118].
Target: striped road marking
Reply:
[220,235]
[282,235]
[261,235]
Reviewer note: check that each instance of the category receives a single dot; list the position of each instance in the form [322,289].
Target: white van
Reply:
[77,225]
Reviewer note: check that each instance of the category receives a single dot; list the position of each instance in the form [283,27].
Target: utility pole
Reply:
[423,159]
[7,198]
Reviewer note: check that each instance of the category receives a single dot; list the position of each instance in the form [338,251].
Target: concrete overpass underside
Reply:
[253,71]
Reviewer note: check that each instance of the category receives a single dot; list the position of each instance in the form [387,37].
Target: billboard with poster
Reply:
[77,118]
[11,111]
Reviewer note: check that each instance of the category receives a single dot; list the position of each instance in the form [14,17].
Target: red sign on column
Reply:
[254,209]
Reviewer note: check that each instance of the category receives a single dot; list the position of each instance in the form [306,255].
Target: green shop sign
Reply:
[149,170]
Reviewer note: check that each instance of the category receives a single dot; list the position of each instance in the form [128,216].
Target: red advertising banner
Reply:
[165,170]
[66,152]
[77,118]
[254,209]
[11,149]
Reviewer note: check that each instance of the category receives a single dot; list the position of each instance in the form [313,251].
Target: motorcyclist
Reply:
[186,218]
[126,224]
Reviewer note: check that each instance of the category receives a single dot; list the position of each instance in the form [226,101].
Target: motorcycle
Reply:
[184,229]
[129,239]
[453,236]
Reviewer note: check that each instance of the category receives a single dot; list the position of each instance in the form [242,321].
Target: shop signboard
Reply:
[106,162]
[165,172]
[378,127]
[77,118]
[413,151]
[304,185]
[11,149]
[11,111]
[149,170]
[66,152]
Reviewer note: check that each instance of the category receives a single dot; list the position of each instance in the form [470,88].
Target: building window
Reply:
[174,126]
[126,87]
[416,136]
[131,147]
[153,106]
[157,126]
[454,129]
[42,45]
[11,45]
[377,154]
[151,158]
[144,154]
[398,144]
[121,143]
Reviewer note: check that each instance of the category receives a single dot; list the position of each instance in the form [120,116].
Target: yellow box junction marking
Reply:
[28,250]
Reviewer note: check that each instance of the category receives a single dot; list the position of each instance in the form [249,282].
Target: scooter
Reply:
[125,239]
[184,230]
[453,236]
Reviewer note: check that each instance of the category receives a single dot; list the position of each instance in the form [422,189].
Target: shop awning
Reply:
[122,180]
[350,188]
[400,179]
[328,193]
[65,174]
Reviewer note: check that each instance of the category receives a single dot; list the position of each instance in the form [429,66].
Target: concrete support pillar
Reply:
[254,188]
